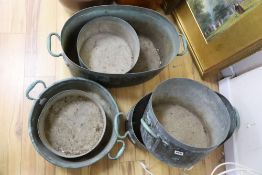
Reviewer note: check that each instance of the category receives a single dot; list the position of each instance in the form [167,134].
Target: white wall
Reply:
[245,94]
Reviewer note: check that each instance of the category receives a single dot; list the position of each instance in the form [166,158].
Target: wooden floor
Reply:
[24,26]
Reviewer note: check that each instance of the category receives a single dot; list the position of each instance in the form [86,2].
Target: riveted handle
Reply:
[184,45]
[144,124]
[120,151]
[31,87]
[49,44]
[233,114]
[237,117]
[117,126]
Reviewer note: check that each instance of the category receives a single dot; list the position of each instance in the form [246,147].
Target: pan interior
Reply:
[114,48]
[97,92]
[146,23]
[71,124]
[191,113]
[182,124]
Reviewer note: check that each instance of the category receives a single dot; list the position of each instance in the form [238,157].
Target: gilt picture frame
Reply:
[236,42]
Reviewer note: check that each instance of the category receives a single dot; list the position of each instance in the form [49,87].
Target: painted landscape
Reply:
[216,16]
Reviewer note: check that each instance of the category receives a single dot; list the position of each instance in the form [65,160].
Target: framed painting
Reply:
[222,32]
